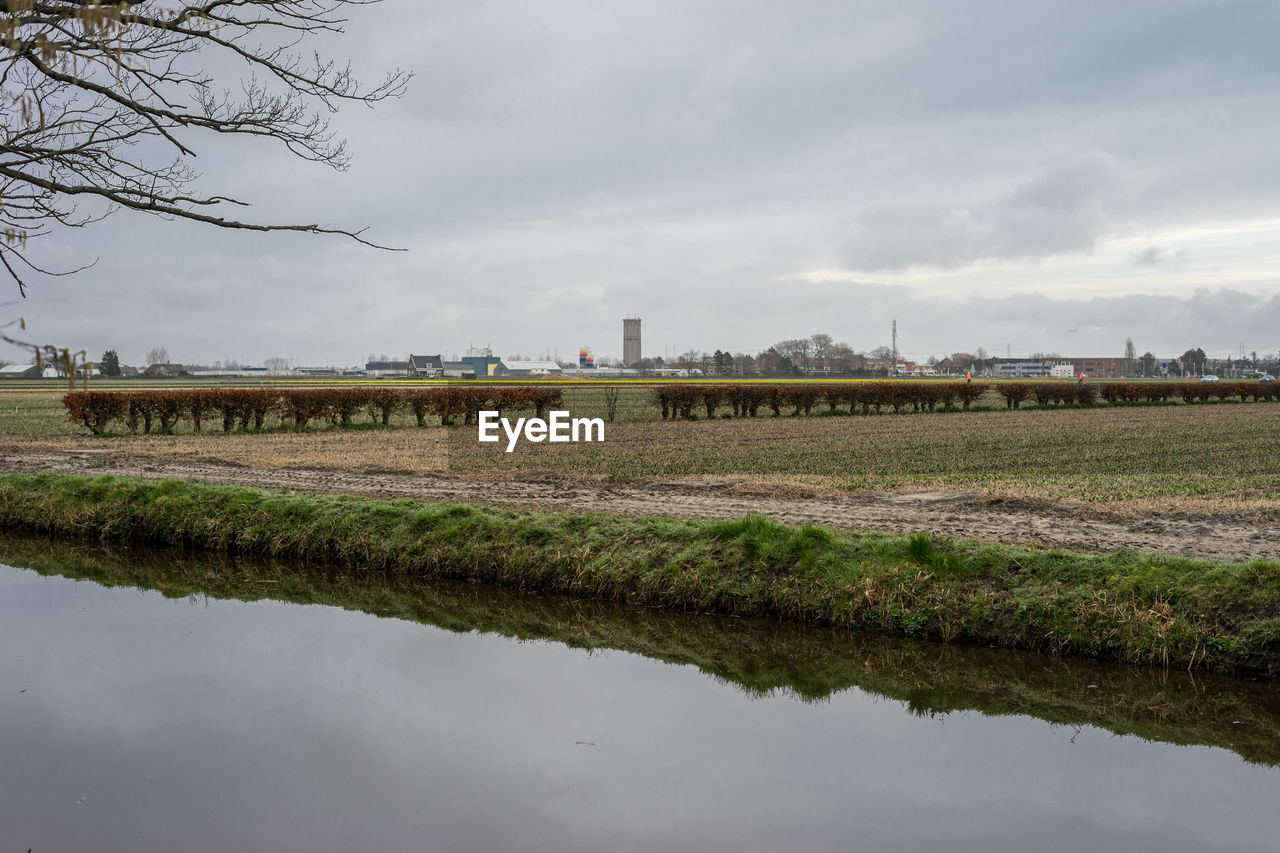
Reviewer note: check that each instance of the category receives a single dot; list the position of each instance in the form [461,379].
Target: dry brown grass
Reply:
[416,451]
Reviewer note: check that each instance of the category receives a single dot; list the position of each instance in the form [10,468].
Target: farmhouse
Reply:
[425,366]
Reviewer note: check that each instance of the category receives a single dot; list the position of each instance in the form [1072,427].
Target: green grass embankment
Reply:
[1138,608]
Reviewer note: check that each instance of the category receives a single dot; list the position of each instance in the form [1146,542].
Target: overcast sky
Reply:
[1016,176]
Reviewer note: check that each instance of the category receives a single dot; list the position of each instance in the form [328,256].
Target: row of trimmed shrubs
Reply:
[681,401]
[1062,393]
[1193,392]
[249,408]
[747,400]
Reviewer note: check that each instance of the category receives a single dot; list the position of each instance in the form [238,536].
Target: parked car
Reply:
[1266,377]
[1208,377]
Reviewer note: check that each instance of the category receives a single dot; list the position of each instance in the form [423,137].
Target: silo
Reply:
[630,341]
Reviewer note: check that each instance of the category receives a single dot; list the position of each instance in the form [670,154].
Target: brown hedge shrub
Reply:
[420,402]
[1114,392]
[677,400]
[1014,393]
[837,396]
[343,403]
[712,398]
[382,403]
[250,406]
[508,399]
[302,405]
[802,397]
[95,409]
[545,399]
[1048,394]
[199,403]
[969,392]
[948,393]
[141,407]
[447,403]
[169,407]
[748,399]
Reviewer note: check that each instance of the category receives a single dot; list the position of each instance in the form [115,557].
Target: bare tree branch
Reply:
[83,82]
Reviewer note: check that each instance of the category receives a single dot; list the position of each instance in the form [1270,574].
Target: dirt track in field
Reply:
[1235,536]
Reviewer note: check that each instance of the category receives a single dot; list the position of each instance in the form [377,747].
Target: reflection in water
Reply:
[132,722]
[757,656]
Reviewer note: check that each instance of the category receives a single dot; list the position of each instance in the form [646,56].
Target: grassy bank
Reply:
[1138,608]
[757,656]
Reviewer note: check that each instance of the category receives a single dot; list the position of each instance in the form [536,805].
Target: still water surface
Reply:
[134,721]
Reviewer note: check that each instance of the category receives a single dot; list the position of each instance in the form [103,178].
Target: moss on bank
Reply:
[1138,608]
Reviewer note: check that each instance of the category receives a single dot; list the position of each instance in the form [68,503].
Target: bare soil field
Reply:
[1240,535]
[1198,480]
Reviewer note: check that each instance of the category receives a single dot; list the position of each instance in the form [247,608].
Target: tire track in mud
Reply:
[1232,538]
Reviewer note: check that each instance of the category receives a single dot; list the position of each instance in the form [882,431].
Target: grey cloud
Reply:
[1060,210]
[1155,256]
[1149,257]
[1217,319]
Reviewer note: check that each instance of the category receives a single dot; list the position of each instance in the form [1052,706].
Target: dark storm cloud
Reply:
[555,166]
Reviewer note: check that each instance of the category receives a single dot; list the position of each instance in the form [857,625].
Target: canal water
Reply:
[162,701]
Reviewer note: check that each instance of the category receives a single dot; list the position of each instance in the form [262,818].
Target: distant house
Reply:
[19,371]
[533,368]
[164,369]
[382,369]
[425,366]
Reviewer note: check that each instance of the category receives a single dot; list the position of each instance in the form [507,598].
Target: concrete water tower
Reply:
[630,341]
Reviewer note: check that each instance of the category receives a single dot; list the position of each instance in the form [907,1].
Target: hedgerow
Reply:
[680,400]
[299,408]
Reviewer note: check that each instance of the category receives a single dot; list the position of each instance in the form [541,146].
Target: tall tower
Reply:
[895,346]
[630,341]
